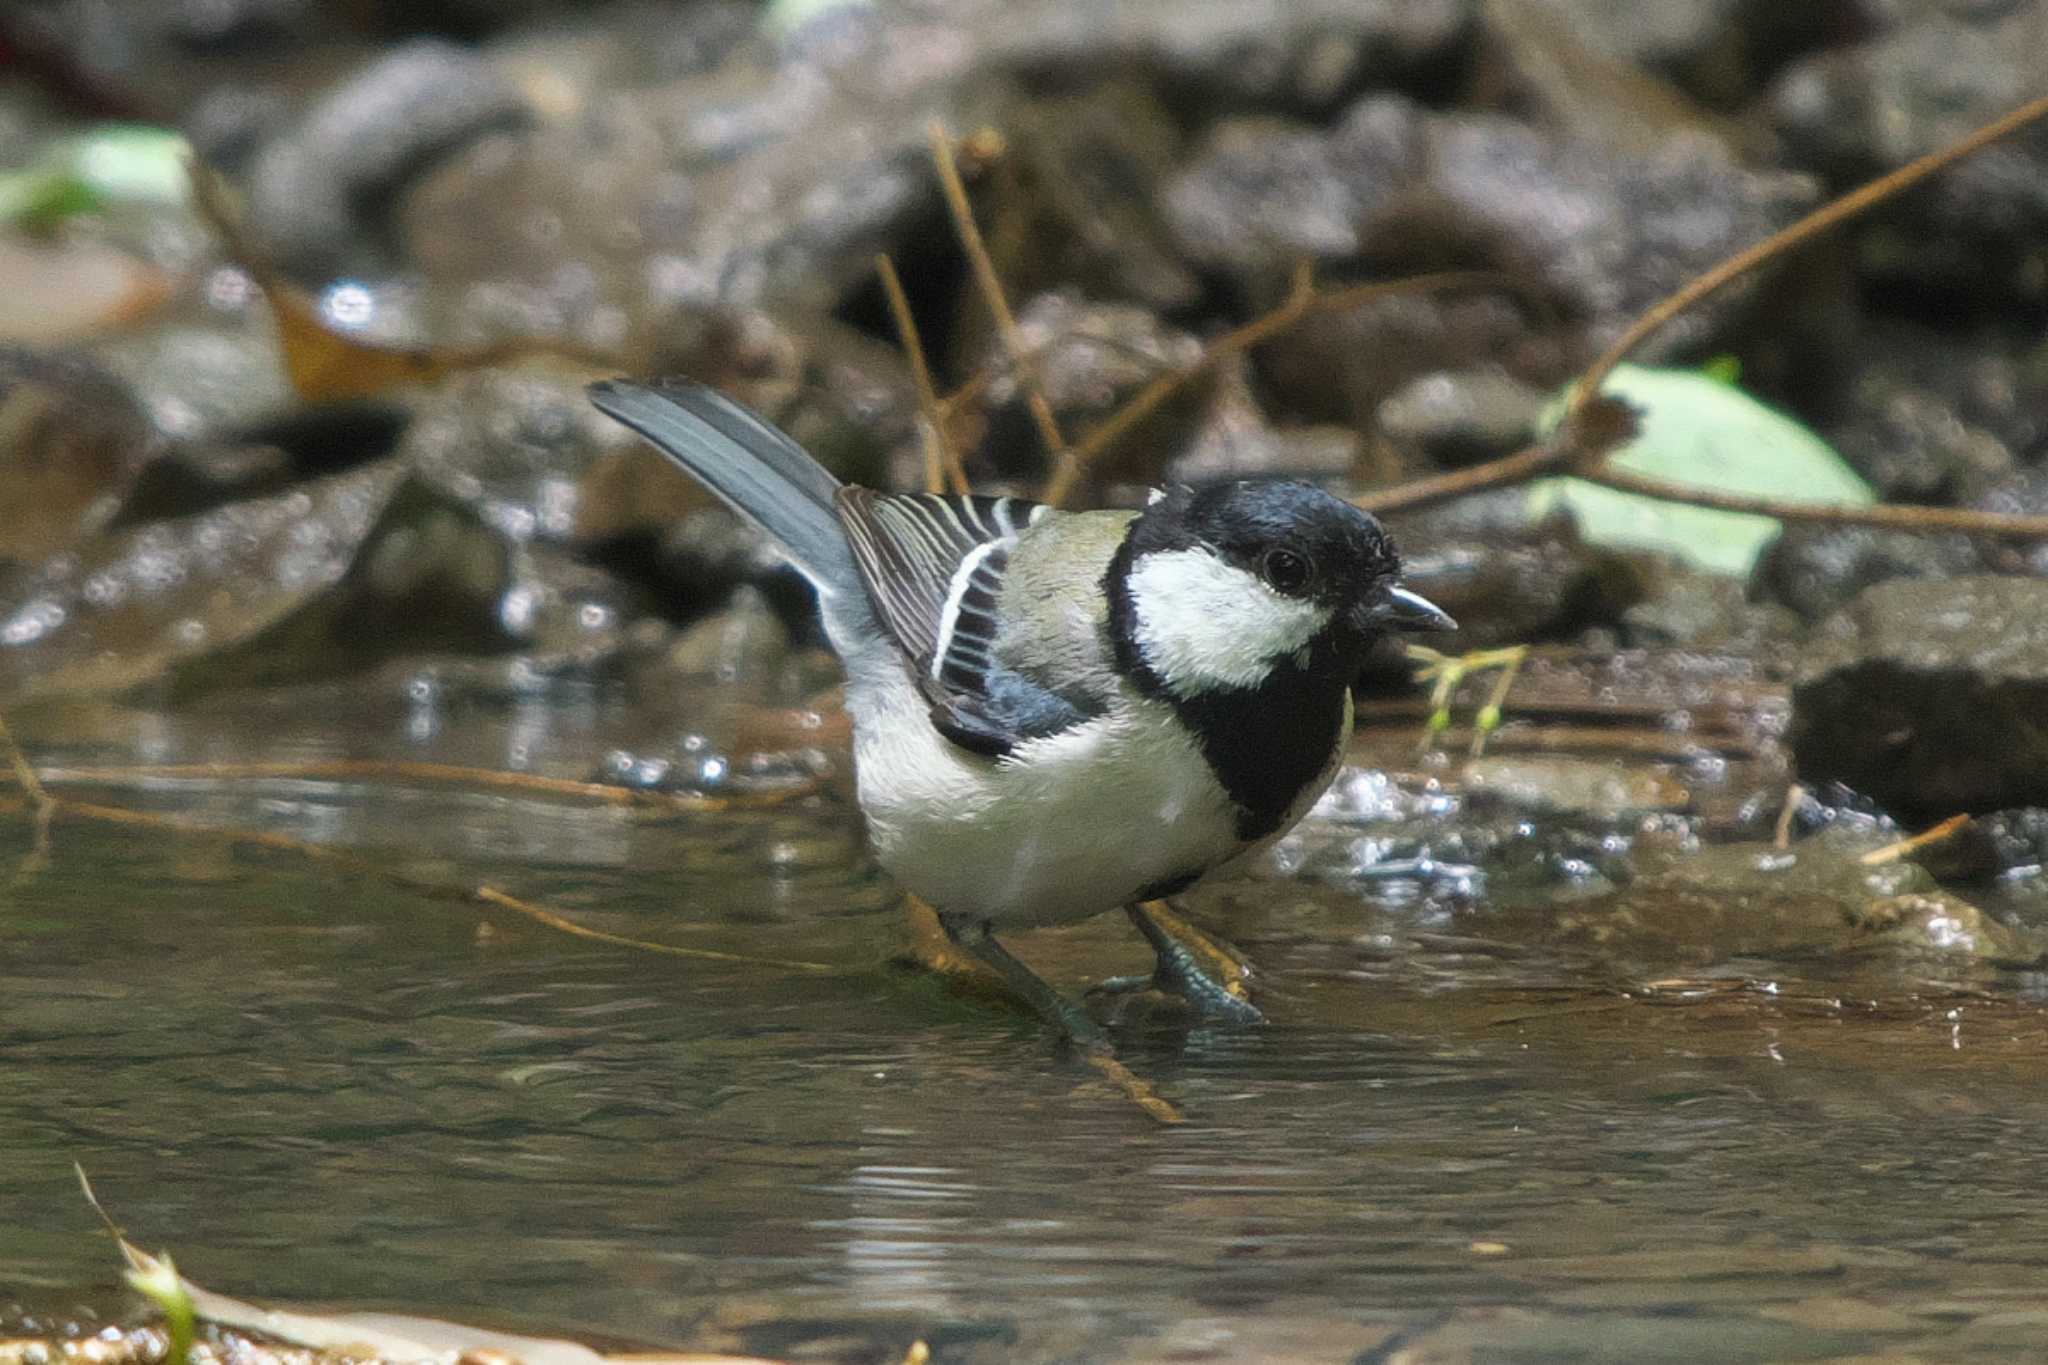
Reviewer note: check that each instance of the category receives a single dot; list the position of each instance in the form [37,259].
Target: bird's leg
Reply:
[933,948]
[1178,972]
[1221,961]
[973,936]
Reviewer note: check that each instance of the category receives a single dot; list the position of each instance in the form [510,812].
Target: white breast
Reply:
[1061,829]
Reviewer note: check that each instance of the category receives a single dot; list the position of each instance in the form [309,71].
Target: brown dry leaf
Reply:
[324,364]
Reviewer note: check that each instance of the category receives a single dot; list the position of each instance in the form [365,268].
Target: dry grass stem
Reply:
[39,801]
[1133,1087]
[941,462]
[376,770]
[1891,853]
[1065,471]
[367,865]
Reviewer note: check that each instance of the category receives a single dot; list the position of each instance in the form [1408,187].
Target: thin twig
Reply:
[1899,516]
[491,895]
[1301,296]
[1821,220]
[357,770]
[1134,1087]
[1520,467]
[40,801]
[1781,836]
[1893,852]
[357,862]
[1064,469]
[941,461]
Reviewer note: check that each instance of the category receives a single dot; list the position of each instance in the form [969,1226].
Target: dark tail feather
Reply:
[760,472]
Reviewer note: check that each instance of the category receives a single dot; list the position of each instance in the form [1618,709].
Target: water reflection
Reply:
[314,1086]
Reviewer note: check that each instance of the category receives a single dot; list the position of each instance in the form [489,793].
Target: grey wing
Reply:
[1055,611]
[934,567]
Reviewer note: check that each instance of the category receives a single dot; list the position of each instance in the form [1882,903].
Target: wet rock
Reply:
[2023,494]
[1605,233]
[1687,609]
[1507,579]
[203,24]
[1669,34]
[1935,922]
[1636,1331]
[1913,445]
[1928,696]
[753,186]
[1818,570]
[1460,417]
[151,61]
[1340,366]
[1585,789]
[565,61]
[317,190]
[1927,412]
[745,644]
[696,562]
[190,479]
[1262,193]
[1305,54]
[1933,77]
[201,380]
[1860,110]
[131,606]
[73,440]
[526,451]
[1816,898]
[1612,234]
[1077,200]
[263,459]
[2003,844]
[1090,359]
[1235,439]
[564,618]
[1591,69]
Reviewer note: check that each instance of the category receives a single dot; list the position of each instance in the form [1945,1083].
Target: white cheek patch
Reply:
[1203,624]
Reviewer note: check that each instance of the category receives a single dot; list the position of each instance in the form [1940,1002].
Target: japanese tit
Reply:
[1061,713]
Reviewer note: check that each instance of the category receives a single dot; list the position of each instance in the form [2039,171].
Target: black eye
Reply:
[1287,571]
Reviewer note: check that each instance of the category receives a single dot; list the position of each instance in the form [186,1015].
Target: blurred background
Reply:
[1636,1036]
[528,195]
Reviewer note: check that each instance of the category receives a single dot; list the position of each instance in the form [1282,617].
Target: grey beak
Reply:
[1401,609]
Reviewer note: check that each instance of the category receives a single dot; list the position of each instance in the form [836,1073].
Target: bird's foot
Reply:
[1179,972]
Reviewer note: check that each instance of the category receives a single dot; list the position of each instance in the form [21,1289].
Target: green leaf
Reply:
[117,163]
[1697,430]
[129,163]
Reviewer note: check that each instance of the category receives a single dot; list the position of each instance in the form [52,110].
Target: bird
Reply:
[1059,714]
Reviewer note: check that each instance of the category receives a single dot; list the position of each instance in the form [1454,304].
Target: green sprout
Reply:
[1445,671]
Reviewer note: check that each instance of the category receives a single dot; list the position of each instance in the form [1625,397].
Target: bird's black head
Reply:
[1219,587]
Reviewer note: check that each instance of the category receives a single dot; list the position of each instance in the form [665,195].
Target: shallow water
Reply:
[316,1086]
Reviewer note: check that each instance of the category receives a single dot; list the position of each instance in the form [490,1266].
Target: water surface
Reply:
[315,1085]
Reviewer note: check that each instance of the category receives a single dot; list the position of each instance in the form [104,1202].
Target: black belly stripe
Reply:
[1267,744]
